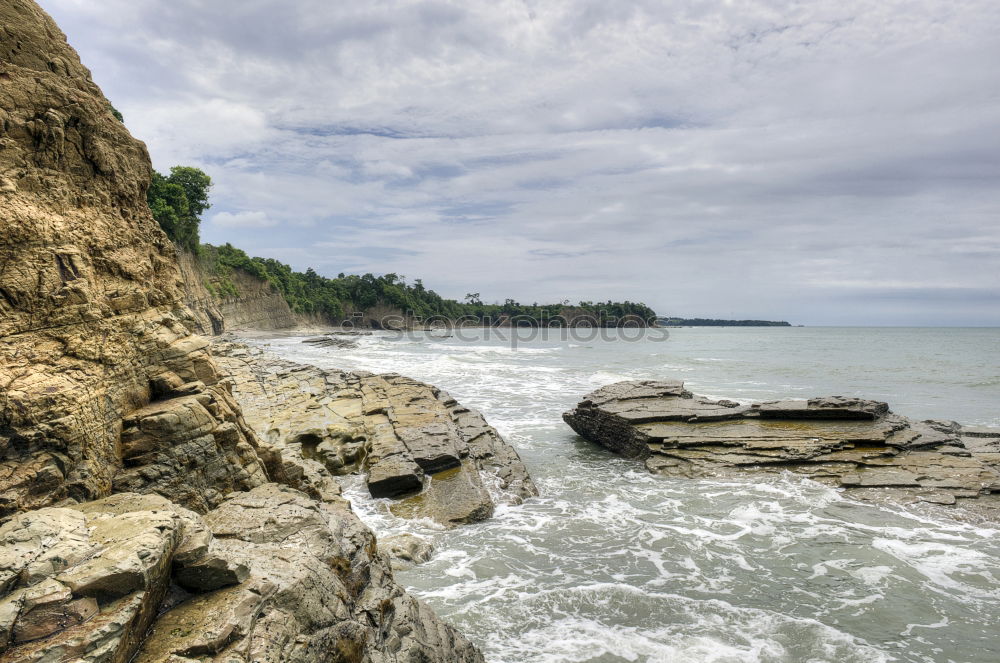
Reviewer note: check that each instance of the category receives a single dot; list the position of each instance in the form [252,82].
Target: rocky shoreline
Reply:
[142,517]
[412,441]
[854,444]
[168,499]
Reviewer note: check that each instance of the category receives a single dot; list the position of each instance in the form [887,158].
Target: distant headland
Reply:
[711,322]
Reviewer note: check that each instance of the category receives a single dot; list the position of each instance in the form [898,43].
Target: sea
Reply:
[611,563]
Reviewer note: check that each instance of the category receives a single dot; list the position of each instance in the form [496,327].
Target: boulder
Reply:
[406,550]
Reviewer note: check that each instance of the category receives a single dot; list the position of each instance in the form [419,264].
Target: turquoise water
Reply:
[612,564]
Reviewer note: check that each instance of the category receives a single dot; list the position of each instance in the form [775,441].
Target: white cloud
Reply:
[243,220]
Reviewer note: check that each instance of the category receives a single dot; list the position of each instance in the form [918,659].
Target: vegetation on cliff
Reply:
[390,294]
[178,200]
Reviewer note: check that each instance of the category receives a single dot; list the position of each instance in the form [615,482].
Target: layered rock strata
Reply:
[258,305]
[854,444]
[141,518]
[89,286]
[411,440]
[269,575]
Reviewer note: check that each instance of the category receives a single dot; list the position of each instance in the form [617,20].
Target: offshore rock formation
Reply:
[141,518]
[855,444]
[411,440]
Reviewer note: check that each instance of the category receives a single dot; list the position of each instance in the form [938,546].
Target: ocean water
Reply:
[613,564]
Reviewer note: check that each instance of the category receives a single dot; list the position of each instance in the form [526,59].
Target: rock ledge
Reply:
[851,443]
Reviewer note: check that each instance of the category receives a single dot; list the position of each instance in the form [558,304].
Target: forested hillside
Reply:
[178,200]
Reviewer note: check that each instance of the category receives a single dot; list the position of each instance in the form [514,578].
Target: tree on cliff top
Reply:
[177,202]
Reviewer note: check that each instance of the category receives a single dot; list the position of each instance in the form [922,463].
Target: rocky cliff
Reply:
[90,292]
[141,518]
[257,305]
[850,443]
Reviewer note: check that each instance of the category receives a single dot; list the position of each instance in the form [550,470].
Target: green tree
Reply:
[195,184]
[177,202]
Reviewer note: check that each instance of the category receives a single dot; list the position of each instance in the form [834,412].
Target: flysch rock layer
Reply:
[411,440]
[854,444]
[141,518]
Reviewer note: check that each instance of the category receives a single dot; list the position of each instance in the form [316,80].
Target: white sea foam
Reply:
[612,563]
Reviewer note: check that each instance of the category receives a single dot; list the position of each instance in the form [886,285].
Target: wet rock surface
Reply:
[411,440]
[854,444]
[318,590]
[331,341]
[406,550]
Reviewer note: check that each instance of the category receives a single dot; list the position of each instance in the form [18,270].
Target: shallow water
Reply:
[614,564]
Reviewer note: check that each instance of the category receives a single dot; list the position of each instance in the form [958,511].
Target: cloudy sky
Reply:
[824,162]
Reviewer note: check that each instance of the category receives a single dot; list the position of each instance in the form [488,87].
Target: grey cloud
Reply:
[817,162]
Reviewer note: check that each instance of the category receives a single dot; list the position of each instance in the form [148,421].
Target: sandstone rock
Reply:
[331,342]
[89,591]
[318,589]
[452,497]
[193,449]
[92,322]
[256,304]
[851,443]
[832,407]
[48,608]
[406,550]
[285,577]
[412,440]
[210,572]
[103,387]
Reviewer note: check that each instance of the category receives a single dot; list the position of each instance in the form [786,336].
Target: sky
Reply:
[821,162]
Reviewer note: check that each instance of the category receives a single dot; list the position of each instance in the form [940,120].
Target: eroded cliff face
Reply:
[258,306]
[90,292]
[139,514]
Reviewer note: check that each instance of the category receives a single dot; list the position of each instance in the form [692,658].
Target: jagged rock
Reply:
[406,550]
[412,440]
[104,388]
[277,574]
[92,325]
[192,449]
[83,584]
[318,589]
[331,342]
[851,443]
[41,610]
